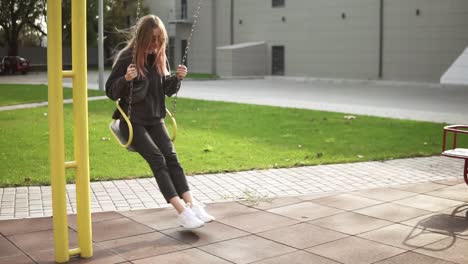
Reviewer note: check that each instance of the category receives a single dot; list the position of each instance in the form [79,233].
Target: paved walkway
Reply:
[143,193]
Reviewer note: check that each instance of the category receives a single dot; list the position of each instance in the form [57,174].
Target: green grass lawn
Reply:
[11,94]
[216,137]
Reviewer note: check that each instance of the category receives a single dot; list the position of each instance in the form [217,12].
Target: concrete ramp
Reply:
[457,73]
[243,59]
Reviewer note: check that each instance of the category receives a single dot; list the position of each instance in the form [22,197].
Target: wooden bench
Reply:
[454,152]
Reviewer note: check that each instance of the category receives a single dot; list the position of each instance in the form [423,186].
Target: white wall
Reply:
[318,42]
[421,48]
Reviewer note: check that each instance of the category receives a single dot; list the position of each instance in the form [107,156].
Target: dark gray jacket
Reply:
[153,108]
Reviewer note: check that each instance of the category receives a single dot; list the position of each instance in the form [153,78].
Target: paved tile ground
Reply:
[123,195]
[418,223]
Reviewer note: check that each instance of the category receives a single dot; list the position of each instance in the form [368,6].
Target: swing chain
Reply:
[138,11]
[192,30]
[184,58]
[187,47]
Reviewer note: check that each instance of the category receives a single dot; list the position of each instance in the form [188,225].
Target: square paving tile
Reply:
[402,236]
[384,194]
[413,258]
[273,203]
[258,222]
[100,256]
[95,217]
[351,223]
[247,249]
[41,240]
[298,257]
[189,256]
[143,246]
[302,235]
[392,212]
[441,223]
[131,213]
[450,182]
[156,219]
[27,225]
[228,209]
[429,203]
[354,250]
[420,187]
[8,250]
[461,210]
[210,233]
[305,211]
[461,186]
[117,228]
[347,202]
[456,194]
[315,196]
[23,259]
[451,249]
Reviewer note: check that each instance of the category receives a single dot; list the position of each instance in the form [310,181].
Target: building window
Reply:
[277,3]
[183,10]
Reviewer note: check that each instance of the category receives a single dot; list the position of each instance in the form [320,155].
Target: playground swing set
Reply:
[114,126]
[58,165]
[78,74]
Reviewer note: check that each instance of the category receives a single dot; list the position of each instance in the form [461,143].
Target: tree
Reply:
[20,18]
[16,15]
[91,22]
[119,15]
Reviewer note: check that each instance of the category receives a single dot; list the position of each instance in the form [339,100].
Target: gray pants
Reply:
[155,146]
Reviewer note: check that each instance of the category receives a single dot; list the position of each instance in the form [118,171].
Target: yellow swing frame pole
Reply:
[58,165]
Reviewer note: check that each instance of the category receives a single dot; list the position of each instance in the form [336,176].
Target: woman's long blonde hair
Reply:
[141,40]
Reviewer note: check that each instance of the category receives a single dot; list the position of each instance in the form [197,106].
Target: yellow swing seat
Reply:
[114,127]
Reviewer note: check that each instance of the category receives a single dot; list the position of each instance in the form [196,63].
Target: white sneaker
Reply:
[188,219]
[201,213]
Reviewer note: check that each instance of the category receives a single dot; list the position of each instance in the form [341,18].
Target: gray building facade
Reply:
[404,40]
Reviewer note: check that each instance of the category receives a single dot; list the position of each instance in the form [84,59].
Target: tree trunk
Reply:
[13,40]
[13,47]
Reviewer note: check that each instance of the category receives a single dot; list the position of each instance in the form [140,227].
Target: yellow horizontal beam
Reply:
[75,251]
[68,74]
[70,164]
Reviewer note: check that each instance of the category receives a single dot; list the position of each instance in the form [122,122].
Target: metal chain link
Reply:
[138,11]
[184,58]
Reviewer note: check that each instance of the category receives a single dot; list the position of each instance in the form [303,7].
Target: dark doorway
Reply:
[277,60]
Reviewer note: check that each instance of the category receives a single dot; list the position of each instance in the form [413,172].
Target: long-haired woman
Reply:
[144,60]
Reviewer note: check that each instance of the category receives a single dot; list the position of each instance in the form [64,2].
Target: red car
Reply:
[13,64]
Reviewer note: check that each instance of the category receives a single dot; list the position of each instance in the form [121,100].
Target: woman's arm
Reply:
[117,86]
[171,85]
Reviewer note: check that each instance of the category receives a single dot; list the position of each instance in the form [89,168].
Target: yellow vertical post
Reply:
[58,165]
[56,134]
[80,124]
